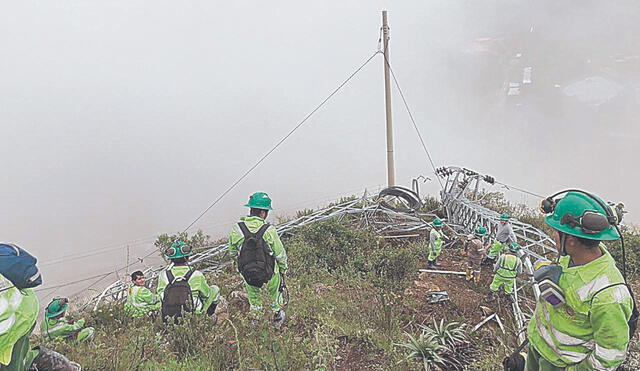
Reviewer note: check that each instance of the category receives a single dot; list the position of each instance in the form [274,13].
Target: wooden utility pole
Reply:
[391,170]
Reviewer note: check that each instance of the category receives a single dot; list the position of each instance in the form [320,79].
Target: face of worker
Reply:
[504,222]
[570,242]
[139,281]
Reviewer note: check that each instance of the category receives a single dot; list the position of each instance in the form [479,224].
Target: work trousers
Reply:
[499,281]
[474,263]
[255,301]
[433,255]
[535,362]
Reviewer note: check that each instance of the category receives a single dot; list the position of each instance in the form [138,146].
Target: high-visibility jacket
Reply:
[59,327]
[435,240]
[203,295]
[588,332]
[18,313]
[253,223]
[508,266]
[141,301]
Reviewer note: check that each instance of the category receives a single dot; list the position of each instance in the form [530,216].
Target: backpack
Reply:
[19,267]
[256,263]
[177,297]
[633,320]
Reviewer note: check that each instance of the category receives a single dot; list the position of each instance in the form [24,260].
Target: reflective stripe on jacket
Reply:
[141,301]
[508,266]
[585,335]
[435,240]
[18,313]
[60,328]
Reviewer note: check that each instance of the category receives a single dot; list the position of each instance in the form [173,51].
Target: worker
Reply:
[504,236]
[55,325]
[178,280]
[140,300]
[475,250]
[260,256]
[506,269]
[435,243]
[581,319]
[16,321]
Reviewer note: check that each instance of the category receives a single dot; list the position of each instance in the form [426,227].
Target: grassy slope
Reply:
[353,296]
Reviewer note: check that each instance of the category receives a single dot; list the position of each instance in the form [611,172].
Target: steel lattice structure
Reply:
[460,199]
[361,212]
[460,203]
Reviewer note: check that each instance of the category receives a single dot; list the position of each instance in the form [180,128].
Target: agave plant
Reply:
[448,335]
[425,349]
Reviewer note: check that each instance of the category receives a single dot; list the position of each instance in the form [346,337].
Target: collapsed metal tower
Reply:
[461,198]
[365,211]
[394,213]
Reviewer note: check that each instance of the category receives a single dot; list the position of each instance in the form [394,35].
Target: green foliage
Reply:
[431,205]
[448,335]
[434,344]
[632,249]
[424,349]
[197,241]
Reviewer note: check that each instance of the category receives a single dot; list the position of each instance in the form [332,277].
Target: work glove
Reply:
[463,253]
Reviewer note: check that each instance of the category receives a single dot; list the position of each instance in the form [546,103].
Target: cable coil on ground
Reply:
[399,199]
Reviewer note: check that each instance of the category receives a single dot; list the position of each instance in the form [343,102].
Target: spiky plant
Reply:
[450,334]
[425,349]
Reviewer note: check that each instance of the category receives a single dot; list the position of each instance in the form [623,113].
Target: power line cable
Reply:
[282,140]
[415,126]
[305,119]
[521,190]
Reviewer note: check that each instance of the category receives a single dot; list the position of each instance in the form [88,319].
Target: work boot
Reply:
[435,262]
[476,277]
[489,297]
[431,264]
[278,318]
[469,273]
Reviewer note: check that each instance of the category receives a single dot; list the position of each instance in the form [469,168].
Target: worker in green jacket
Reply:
[205,297]
[435,243]
[17,320]
[140,300]
[506,269]
[582,323]
[259,206]
[55,325]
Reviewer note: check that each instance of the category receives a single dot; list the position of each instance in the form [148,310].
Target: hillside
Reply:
[357,302]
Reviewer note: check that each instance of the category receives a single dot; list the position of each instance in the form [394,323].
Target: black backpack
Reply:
[177,297]
[256,262]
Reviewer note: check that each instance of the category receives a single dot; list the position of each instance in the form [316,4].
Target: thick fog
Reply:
[121,120]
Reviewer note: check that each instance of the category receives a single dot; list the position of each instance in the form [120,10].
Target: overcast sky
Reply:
[121,120]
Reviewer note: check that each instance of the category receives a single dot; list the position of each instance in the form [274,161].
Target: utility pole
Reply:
[391,170]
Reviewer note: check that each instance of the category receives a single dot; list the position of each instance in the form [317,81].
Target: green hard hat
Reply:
[259,200]
[576,203]
[504,216]
[178,249]
[480,231]
[56,307]
[437,222]
[514,247]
